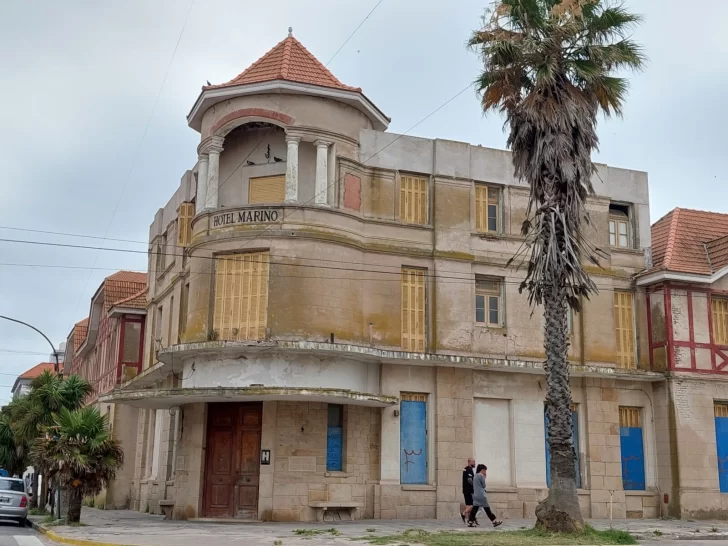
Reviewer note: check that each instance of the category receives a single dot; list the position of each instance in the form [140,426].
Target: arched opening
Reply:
[253,165]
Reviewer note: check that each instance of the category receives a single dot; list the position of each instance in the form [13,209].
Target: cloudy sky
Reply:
[84,150]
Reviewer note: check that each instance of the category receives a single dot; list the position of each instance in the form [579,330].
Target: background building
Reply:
[687,301]
[106,350]
[333,325]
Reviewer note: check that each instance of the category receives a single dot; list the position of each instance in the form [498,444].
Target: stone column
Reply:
[321,186]
[292,169]
[201,197]
[214,149]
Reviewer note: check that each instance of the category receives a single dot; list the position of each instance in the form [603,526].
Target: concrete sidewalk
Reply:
[126,527]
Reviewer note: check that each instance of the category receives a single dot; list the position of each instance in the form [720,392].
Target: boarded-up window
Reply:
[241,296]
[184,233]
[487,207]
[632,449]
[267,189]
[413,438]
[719,307]
[721,441]
[413,199]
[624,327]
[413,309]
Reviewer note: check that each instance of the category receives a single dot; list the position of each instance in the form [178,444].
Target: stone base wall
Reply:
[300,475]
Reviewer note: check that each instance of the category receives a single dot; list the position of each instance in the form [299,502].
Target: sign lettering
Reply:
[249,216]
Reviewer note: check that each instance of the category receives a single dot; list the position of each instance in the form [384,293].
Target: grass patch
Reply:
[371,530]
[316,532]
[277,542]
[530,537]
[658,533]
[38,512]
[713,529]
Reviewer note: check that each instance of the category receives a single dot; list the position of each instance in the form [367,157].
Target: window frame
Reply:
[487,294]
[719,319]
[342,447]
[402,209]
[482,204]
[277,177]
[406,284]
[185,215]
[631,358]
[620,214]
[263,296]
[120,362]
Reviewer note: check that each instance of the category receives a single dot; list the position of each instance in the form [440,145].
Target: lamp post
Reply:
[56,365]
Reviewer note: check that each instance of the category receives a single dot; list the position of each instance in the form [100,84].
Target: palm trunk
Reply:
[560,510]
[75,499]
[43,498]
[34,490]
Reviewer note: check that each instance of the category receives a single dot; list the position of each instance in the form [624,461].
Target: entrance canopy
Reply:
[167,398]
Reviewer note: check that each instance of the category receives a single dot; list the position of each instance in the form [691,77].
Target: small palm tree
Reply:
[49,393]
[79,451]
[10,459]
[550,66]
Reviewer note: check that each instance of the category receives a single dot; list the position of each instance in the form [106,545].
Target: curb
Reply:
[43,530]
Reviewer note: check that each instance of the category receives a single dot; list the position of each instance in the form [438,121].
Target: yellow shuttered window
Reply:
[487,205]
[719,308]
[184,233]
[413,199]
[413,309]
[241,296]
[624,325]
[720,409]
[630,417]
[267,189]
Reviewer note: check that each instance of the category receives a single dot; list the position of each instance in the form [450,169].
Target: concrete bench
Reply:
[322,507]
[166,507]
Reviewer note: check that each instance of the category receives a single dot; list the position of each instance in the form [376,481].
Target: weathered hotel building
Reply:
[332,327]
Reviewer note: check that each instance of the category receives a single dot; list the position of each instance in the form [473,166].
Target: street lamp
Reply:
[56,366]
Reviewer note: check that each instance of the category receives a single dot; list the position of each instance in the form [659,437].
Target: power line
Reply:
[47,232]
[352,34]
[139,147]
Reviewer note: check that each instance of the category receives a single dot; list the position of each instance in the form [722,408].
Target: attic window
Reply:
[619,228]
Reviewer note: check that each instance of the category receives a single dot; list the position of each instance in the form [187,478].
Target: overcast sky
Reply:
[80,80]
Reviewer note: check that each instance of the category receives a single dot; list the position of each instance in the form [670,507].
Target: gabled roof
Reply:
[122,285]
[80,329]
[289,60]
[35,371]
[135,301]
[690,241]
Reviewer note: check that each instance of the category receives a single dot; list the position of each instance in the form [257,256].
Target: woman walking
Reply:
[480,500]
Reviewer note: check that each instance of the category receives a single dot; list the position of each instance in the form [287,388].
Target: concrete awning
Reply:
[167,398]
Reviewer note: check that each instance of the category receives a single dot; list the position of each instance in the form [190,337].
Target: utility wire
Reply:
[139,147]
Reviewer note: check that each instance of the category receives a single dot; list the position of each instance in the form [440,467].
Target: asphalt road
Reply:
[13,535]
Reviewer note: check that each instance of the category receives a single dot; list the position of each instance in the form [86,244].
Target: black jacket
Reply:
[468,474]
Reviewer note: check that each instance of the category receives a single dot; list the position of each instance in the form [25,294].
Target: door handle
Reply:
[247,479]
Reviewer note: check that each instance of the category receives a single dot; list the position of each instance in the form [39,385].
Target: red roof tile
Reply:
[289,61]
[121,286]
[80,330]
[38,369]
[135,301]
[690,241]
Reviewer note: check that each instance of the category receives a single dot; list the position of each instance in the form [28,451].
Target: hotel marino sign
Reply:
[247,216]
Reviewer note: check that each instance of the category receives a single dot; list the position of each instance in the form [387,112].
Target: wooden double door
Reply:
[232,466]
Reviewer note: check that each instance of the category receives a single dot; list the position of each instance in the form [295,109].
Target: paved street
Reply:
[12,535]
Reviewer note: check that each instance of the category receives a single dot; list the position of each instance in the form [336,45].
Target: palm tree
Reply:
[10,459]
[79,451]
[49,393]
[551,66]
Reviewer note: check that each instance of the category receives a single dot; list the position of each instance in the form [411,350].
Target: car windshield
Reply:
[11,485]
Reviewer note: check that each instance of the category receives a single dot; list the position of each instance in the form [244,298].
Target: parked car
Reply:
[13,500]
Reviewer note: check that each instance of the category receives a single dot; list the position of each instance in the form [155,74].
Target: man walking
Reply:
[479,498]
[468,475]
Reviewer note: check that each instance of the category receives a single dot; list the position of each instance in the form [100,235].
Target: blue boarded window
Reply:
[631,444]
[574,439]
[721,440]
[335,438]
[413,438]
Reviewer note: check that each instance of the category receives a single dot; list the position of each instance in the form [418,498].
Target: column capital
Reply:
[211,144]
[203,157]
[293,138]
[319,143]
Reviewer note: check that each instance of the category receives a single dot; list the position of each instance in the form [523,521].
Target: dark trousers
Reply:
[486,509]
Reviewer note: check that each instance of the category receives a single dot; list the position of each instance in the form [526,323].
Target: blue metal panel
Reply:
[574,440]
[721,440]
[633,458]
[334,441]
[413,442]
